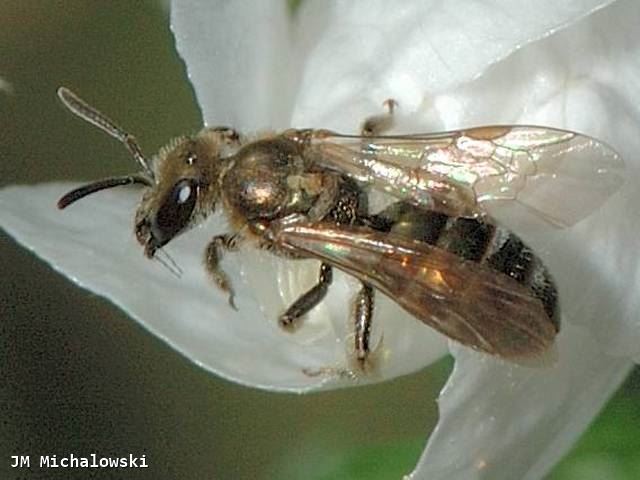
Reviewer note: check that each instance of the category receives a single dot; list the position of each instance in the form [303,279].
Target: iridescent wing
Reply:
[465,300]
[559,175]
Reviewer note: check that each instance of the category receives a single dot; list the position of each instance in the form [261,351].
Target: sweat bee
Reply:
[436,249]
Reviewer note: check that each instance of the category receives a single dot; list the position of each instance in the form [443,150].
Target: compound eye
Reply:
[175,212]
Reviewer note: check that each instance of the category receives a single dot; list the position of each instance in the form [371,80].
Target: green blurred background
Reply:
[77,375]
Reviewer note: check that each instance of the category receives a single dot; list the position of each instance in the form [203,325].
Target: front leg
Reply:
[212,257]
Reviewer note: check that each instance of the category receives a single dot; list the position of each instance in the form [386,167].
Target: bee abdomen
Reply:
[467,238]
[510,255]
[478,241]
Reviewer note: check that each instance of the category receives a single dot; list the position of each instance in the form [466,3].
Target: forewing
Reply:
[559,176]
[464,300]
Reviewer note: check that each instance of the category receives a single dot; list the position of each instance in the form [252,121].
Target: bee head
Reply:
[186,186]
[181,182]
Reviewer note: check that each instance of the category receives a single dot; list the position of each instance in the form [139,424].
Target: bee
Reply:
[436,249]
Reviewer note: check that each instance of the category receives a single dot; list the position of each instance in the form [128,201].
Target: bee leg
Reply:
[363,360]
[379,124]
[212,257]
[363,313]
[289,319]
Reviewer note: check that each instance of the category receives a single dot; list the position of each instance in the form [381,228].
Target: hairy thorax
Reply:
[269,179]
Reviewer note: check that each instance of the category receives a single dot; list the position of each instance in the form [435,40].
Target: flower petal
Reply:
[581,79]
[253,67]
[374,50]
[502,421]
[92,243]
[236,57]
[491,428]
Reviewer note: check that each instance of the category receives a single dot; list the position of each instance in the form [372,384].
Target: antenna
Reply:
[85,111]
[83,191]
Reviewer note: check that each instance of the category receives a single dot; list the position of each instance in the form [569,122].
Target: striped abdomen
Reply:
[477,241]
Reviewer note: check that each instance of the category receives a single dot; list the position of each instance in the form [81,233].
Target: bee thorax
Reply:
[259,185]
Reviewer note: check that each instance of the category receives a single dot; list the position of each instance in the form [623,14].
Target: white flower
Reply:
[449,64]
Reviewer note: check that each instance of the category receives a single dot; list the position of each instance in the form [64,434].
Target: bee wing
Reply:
[464,300]
[558,175]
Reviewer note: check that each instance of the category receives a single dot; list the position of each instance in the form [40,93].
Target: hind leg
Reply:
[363,314]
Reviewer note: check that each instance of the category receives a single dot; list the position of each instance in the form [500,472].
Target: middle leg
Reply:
[345,201]
[290,319]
